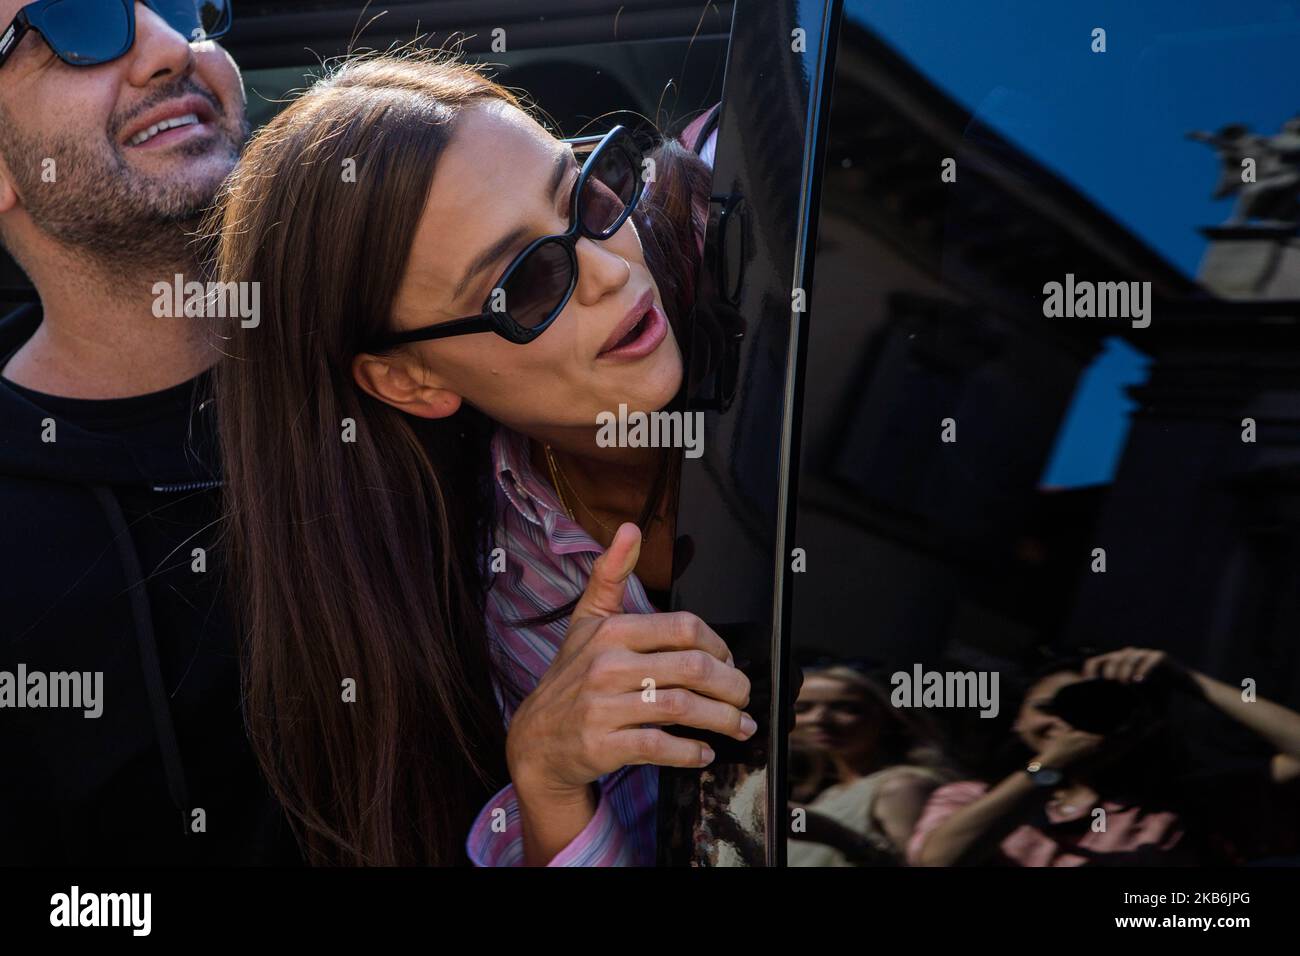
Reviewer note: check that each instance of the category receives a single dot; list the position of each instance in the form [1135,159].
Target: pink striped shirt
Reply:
[548,559]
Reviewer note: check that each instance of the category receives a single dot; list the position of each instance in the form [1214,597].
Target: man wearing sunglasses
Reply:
[118,122]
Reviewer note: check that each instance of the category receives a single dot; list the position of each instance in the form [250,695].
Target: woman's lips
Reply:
[649,335]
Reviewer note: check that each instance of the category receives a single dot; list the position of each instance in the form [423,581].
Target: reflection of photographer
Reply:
[1107,784]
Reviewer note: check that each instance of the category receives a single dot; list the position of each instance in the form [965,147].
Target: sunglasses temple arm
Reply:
[13,35]
[472,323]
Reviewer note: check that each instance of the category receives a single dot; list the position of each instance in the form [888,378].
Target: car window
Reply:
[1048,412]
[586,66]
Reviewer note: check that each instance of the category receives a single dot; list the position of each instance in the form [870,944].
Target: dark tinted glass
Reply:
[608,190]
[993,490]
[195,20]
[536,287]
[86,31]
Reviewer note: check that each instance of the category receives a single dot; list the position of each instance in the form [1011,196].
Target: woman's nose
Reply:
[601,270]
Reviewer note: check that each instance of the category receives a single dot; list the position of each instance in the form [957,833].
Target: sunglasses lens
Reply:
[86,32]
[538,285]
[195,19]
[608,191]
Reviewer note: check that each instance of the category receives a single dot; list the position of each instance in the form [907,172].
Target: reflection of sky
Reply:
[1093,432]
[1112,124]
[812,28]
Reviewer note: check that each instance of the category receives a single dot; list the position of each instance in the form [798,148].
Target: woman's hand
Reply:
[593,711]
[1068,747]
[1129,665]
[1276,724]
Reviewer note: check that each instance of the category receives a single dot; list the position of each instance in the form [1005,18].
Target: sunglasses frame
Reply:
[32,18]
[500,322]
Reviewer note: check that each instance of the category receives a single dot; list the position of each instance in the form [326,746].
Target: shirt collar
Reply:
[532,496]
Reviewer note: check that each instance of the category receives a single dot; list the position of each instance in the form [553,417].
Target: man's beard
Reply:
[123,220]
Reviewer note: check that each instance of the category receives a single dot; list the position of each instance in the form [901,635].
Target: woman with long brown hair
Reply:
[424,532]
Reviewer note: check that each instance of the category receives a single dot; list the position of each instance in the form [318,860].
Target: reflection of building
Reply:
[1256,254]
[928,305]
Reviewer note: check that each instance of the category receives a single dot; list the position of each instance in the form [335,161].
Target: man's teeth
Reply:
[189,119]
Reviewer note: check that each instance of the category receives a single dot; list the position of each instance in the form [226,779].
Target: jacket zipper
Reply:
[188,486]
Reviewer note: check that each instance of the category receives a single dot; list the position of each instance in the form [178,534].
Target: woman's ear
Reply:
[398,382]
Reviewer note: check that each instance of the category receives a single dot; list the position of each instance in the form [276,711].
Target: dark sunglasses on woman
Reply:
[91,32]
[537,285]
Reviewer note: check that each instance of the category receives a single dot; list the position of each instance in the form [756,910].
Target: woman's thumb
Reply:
[603,595]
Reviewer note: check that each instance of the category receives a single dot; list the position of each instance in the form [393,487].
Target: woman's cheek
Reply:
[674,367]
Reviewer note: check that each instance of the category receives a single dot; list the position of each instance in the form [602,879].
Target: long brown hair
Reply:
[362,560]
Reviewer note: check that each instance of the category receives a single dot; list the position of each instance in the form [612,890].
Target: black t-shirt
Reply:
[103,788]
[135,419]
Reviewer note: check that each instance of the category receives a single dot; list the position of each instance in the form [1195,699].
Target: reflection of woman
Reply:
[449,299]
[1084,798]
[878,767]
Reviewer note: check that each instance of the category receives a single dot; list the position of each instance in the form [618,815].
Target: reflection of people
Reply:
[868,770]
[368,557]
[1046,814]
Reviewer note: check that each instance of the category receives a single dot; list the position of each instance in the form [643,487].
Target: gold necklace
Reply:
[557,478]
[555,482]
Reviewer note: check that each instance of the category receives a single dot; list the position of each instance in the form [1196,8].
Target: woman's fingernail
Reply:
[706,756]
[747,725]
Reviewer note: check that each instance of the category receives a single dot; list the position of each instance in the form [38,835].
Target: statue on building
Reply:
[1268,192]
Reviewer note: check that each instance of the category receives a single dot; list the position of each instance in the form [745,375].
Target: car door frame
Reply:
[736,505]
